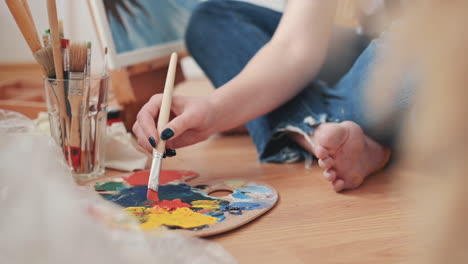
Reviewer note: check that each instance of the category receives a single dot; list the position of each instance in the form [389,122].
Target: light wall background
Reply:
[77,25]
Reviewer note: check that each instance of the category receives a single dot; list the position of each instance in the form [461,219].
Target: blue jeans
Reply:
[223,36]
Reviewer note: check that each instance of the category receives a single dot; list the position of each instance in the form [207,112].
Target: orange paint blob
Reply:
[166,176]
[171,205]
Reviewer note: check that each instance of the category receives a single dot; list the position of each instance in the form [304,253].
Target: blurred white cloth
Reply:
[47,219]
[121,153]
[13,122]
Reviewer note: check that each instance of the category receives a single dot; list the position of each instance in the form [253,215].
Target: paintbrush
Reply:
[46,38]
[44,56]
[78,56]
[56,45]
[66,69]
[28,12]
[58,63]
[85,120]
[96,148]
[165,110]
[60,29]
[22,18]
[25,22]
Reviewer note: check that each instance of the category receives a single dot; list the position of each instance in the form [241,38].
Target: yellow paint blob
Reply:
[206,204]
[182,217]
[140,213]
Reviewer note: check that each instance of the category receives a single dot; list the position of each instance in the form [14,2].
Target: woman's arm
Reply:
[273,76]
[282,68]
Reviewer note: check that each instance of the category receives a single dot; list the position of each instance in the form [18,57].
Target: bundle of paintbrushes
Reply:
[74,99]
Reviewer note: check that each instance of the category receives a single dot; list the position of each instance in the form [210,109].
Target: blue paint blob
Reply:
[247,206]
[240,195]
[181,191]
[251,188]
[231,210]
[136,195]
[192,229]
[131,197]
[234,211]
[218,215]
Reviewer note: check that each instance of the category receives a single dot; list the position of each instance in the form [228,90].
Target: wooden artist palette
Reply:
[196,210]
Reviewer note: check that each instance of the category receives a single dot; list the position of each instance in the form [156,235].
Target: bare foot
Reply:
[345,153]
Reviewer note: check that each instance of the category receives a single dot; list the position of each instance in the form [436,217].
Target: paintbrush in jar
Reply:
[165,110]
[58,64]
[100,126]
[57,52]
[76,83]
[85,117]
[44,55]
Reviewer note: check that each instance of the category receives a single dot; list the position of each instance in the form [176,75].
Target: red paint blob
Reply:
[171,205]
[166,176]
[152,195]
[75,156]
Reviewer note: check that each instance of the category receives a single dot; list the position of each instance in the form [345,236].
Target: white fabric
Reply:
[121,154]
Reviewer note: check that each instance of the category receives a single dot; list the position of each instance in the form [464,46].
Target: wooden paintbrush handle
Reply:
[31,23]
[25,24]
[58,64]
[58,58]
[54,32]
[167,100]
[28,12]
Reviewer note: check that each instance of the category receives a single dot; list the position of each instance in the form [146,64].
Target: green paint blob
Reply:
[110,186]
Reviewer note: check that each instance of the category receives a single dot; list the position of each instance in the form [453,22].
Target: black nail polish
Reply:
[167,134]
[171,152]
[164,155]
[152,141]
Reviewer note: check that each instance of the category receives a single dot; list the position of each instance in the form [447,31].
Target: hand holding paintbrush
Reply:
[158,152]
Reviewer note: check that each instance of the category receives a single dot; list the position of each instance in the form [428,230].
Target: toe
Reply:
[331,136]
[329,175]
[320,152]
[326,163]
[338,185]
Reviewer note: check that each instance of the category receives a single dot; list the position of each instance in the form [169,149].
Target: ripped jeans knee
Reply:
[302,115]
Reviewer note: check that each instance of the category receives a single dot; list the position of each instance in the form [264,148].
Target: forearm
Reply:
[265,83]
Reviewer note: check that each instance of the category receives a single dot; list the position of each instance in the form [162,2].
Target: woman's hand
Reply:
[192,121]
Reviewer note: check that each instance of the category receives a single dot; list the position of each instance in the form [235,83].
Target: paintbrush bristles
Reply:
[45,57]
[78,57]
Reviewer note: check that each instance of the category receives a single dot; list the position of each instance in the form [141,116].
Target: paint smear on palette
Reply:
[141,177]
[182,206]
[180,217]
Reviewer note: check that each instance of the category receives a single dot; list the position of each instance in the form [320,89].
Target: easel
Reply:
[134,85]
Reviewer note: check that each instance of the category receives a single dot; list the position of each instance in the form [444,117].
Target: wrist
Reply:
[217,112]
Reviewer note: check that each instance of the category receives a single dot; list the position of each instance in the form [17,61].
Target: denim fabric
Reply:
[223,36]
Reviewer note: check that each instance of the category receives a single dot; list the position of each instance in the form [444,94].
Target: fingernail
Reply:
[164,155]
[171,152]
[152,141]
[167,134]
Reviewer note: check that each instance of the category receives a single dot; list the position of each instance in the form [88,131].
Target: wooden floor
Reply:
[311,223]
